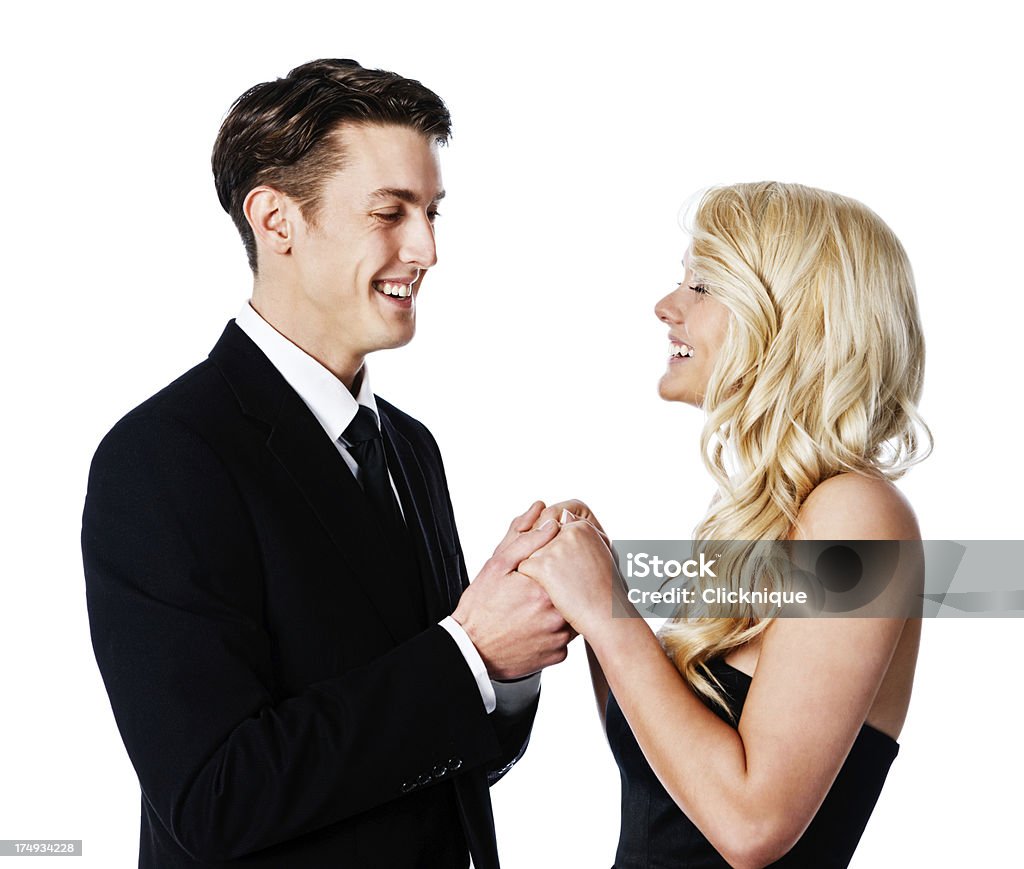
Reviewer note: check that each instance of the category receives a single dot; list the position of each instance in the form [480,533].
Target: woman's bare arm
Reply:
[751,790]
[600,684]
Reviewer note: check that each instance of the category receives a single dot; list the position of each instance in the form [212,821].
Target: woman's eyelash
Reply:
[697,288]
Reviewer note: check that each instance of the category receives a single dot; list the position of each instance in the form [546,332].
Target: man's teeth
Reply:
[679,349]
[399,291]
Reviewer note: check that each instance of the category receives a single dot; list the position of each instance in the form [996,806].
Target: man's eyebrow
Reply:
[400,193]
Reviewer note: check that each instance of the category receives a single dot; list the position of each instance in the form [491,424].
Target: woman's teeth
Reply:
[679,350]
[399,291]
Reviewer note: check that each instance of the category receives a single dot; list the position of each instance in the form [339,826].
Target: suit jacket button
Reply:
[454,764]
[407,786]
[423,779]
[440,770]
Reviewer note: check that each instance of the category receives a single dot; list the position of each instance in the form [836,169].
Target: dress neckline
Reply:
[863,727]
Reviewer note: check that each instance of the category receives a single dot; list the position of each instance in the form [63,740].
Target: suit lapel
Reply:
[418,507]
[298,442]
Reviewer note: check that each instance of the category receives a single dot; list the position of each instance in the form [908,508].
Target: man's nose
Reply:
[418,245]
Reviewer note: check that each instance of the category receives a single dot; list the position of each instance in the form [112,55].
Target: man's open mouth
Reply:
[393,289]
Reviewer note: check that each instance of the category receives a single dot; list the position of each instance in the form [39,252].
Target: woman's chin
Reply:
[673,395]
[670,390]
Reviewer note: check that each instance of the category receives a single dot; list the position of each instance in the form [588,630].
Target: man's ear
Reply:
[271,214]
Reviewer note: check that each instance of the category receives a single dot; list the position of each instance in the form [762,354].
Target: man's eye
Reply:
[388,216]
[433,214]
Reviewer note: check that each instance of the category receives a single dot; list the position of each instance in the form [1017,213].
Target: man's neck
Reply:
[310,337]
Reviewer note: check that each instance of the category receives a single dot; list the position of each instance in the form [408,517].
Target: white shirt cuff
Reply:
[473,661]
[513,697]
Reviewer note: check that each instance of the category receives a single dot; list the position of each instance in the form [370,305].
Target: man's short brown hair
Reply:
[279,133]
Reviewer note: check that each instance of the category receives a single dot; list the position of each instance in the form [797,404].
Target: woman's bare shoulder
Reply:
[856,507]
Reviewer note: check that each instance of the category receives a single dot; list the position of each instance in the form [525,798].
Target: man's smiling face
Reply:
[360,262]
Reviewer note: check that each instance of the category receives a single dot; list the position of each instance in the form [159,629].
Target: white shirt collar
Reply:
[326,396]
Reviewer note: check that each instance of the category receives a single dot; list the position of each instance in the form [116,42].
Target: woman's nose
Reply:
[669,309]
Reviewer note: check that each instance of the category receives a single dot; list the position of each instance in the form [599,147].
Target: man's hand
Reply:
[507,616]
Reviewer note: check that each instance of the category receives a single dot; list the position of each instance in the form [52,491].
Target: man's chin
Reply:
[396,340]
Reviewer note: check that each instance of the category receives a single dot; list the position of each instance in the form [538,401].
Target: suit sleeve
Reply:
[512,729]
[174,590]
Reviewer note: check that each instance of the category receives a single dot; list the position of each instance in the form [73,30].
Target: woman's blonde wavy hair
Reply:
[820,373]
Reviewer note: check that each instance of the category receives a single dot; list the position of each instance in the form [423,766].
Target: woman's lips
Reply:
[679,350]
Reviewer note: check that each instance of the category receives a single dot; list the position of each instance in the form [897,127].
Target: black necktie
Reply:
[366,446]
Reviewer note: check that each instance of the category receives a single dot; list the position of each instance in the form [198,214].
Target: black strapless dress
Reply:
[656,834]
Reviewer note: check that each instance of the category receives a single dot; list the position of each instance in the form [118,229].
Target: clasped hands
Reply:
[576,568]
[551,578]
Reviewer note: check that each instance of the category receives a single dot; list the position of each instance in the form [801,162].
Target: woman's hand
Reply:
[577,509]
[577,570]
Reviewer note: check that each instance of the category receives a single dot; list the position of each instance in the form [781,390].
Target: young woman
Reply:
[748,740]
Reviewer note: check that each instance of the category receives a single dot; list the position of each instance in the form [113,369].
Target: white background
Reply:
[579,132]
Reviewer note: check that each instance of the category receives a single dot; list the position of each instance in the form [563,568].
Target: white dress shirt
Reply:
[334,408]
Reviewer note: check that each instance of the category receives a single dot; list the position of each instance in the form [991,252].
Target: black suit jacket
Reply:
[279,698]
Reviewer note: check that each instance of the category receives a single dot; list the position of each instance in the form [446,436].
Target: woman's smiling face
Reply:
[697,325]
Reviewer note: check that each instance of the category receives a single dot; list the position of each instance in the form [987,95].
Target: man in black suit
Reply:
[299,669]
